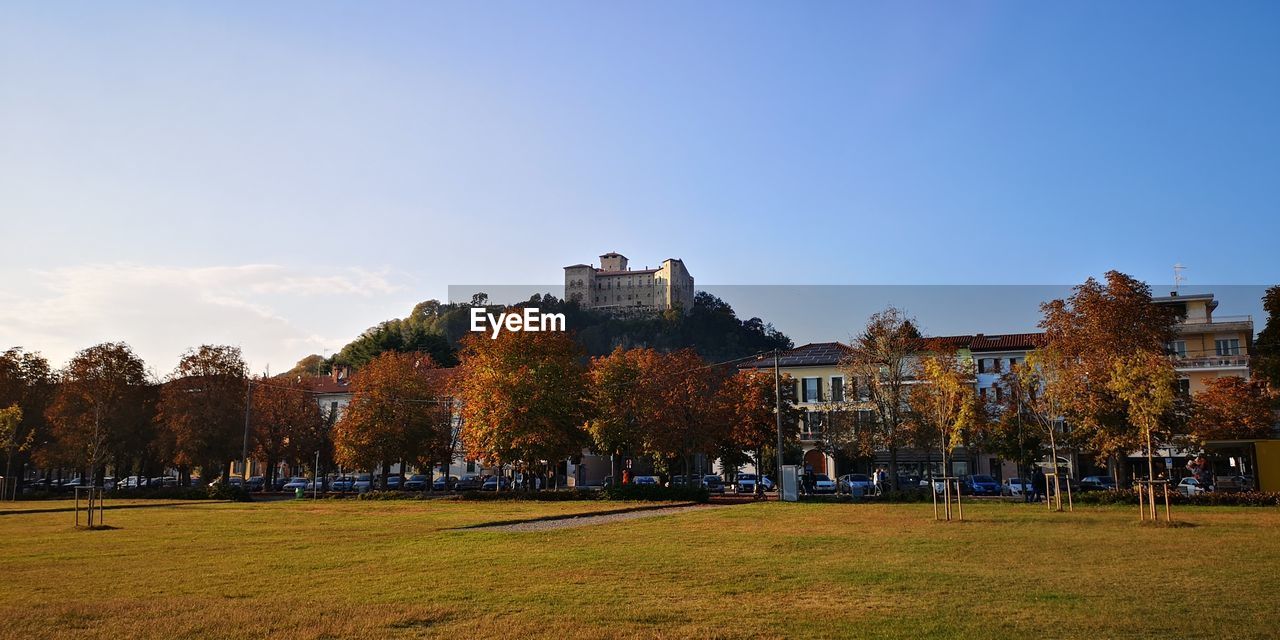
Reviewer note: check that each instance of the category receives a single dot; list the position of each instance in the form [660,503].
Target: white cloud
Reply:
[276,314]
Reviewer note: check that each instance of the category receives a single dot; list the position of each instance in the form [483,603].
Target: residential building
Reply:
[614,286]
[1207,346]
[821,390]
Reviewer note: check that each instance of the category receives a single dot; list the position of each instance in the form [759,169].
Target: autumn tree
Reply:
[27,382]
[623,401]
[524,397]
[943,405]
[687,424]
[748,402]
[1144,382]
[1088,333]
[879,362]
[1232,408]
[100,398]
[283,414]
[1025,420]
[202,409]
[392,415]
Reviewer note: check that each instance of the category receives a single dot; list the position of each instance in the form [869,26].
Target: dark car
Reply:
[394,481]
[256,483]
[469,482]
[714,484]
[416,482]
[1097,483]
[445,483]
[982,486]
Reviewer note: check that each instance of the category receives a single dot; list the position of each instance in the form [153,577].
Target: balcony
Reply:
[1211,362]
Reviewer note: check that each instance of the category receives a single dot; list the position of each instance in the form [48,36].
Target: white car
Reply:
[363,483]
[1015,487]
[1190,487]
[296,483]
[856,484]
[823,484]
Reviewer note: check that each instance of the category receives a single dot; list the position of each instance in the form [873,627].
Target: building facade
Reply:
[615,286]
[1207,346]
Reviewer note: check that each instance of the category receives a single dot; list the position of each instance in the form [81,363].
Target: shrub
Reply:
[221,491]
[654,493]
[1218,499]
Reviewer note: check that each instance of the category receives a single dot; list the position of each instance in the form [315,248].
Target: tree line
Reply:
[1101,383]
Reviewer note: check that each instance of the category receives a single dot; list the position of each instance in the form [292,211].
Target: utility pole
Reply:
[777,412]
[244,448]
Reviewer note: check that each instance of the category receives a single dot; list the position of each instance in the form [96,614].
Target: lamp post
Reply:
[244,447]
[777,412]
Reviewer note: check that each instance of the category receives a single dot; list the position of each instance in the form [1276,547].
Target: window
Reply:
[999,393]
[1013,362]
[982,394]
[1229,347]
[982,365]
[1184,387]
[471,466]
[811,390]
[837,389]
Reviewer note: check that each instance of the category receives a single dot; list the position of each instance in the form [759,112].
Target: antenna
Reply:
[1178,278]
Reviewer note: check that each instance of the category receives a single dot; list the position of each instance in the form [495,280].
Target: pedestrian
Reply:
[1038,485]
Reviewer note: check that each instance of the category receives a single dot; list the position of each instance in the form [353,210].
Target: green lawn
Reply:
[399,569]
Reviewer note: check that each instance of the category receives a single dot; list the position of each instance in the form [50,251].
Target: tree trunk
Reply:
[893,468]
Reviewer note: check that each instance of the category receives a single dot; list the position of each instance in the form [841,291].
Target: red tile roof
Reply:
[1007,342]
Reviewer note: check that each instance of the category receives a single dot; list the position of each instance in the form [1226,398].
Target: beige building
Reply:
[614,286]
[1207,346]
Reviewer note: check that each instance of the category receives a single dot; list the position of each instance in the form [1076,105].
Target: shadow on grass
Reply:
[98,527]
[188,503]
[575,516]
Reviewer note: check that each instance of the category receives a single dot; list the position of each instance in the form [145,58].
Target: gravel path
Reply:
[585,520]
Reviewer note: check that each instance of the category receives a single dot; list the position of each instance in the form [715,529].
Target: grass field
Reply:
[341,569]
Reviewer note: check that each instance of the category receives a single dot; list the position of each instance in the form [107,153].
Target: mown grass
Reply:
[342,569]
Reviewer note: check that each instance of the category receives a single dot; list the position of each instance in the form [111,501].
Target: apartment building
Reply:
[1208,346]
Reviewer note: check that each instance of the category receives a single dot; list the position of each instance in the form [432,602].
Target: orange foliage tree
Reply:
[284,415]
[524,398]
[201,409]
[393,415]
[689,422]
[623,401]
[100,399]
[1232,408]
[747,403]
[1089,333]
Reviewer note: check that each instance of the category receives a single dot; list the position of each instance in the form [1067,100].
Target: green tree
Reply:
[27,382]
[1267,347]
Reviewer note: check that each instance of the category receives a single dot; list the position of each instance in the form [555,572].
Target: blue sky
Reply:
[282,175]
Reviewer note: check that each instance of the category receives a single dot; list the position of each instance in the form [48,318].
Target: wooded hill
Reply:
[711,328]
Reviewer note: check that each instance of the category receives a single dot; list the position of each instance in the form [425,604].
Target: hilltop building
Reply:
[614,286]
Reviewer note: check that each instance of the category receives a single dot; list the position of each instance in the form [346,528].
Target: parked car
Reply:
[395,481]
[295,483]
[416,482]
[822,483]
[979,485]
[713,483]
[1097,483]
[469,482]
[496,483]
[256,483]
[132,482]
[648,480]
[1015,487]
[445,483]
[767,483]
[316,485]
[363,483]
[343,483]
[745,483]
[70,485]
[855,484]
[1191,486]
